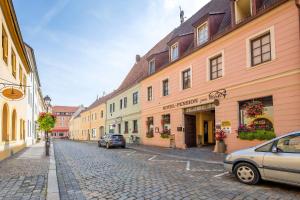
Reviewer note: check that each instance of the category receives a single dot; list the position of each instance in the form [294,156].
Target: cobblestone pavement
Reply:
[24,175]
[88,172]
[204,153]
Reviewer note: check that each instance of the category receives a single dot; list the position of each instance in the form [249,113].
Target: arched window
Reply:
[14,125]
[23,130]
[5,120]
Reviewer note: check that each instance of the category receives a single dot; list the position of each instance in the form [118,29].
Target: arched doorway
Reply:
[5,117]
[14,125]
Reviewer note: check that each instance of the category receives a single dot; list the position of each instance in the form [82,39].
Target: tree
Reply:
[46,121]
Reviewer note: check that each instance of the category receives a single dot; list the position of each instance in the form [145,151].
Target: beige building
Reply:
[14,70]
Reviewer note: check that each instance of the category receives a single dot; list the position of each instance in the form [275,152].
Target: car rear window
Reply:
[117,136]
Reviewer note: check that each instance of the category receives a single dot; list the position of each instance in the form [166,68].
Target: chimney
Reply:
[137,58]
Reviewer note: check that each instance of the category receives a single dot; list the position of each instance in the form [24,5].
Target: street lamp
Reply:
[47,101]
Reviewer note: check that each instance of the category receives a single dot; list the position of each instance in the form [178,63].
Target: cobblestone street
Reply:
[88,172]
[24,175]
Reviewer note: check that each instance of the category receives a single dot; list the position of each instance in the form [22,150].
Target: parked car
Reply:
[276,160]
[112,140]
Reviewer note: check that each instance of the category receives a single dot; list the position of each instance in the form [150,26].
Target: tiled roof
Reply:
[64,108]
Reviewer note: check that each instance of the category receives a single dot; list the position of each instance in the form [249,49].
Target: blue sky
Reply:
[86,47]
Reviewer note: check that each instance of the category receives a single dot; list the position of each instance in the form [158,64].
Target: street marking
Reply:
[130,153]
[188,164]
[222,174]
[152,157]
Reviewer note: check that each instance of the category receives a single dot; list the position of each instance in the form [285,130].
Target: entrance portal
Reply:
[200,125]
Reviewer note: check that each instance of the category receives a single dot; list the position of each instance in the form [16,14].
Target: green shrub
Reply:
[258,134]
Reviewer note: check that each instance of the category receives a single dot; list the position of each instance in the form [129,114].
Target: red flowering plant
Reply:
[220,135]
[46,121]
[254,108]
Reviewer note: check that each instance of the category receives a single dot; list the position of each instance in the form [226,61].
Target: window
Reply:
[110,108]
[186,79]
[174,52]
[93,133]
[165,87]
[4,45]
[126,127]
[216,70]
[113,107]
[265,148]
[166,122]
[13,64]
[289,144]
[135,97]
[135,126]
[20,74]
[149,93]
[261,49]
[125,102]
[242,10]
[150,125]
[121,104]
[101,113]
[256,114]
[151,66]
[202,34]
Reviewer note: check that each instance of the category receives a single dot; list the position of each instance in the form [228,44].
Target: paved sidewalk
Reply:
[24,175]
[204,154]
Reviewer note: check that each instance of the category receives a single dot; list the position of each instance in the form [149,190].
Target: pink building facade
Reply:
[211,85]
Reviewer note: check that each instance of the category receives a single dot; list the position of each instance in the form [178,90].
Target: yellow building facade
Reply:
[89,124]
[14,69]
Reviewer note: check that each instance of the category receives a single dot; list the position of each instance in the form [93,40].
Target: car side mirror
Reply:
[274,149]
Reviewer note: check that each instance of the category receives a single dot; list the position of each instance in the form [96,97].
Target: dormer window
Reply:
[243,10]
[202,33]
[174,52]
[151,66]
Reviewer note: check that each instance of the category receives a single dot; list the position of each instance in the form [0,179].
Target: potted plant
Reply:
[220,136]
[149,134]
[254,108]
[165,133]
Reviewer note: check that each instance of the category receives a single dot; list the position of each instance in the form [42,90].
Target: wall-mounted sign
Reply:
[208,106]
[156,130]
[179,129]
[226,126]
[188,103]
[217,94]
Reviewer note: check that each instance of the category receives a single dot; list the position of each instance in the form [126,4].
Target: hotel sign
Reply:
[187,103]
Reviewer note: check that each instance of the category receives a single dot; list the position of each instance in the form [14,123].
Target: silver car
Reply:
[276,160]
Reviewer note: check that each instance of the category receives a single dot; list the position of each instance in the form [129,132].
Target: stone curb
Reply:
[52,186]
[175,156]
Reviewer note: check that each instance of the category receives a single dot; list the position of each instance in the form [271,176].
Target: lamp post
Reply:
[47,101]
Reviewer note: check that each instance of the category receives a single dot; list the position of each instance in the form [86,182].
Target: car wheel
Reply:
[99,144]
[246,173]
[107,145]
[124,147]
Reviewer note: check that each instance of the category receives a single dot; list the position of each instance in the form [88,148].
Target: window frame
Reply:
[189,76]
[217,67]
[252,49]
[150,67]
[198,28]
[172,51]
[149,96]
[135,129]
[4,45]
[135,98]
[13,63]
[163,88]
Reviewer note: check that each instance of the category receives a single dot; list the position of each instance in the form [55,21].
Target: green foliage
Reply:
[258,134]
[46,121]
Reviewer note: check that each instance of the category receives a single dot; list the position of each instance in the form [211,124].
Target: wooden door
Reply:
[190,130]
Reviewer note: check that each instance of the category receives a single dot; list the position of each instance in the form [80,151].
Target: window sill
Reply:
[260,65]
[211,81]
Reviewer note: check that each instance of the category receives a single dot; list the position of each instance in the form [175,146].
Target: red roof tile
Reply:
[64,108]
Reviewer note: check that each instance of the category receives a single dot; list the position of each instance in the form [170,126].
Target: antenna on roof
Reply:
[181,15]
